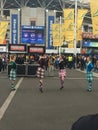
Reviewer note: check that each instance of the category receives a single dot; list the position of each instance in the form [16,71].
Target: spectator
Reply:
[0,63]
[89,122]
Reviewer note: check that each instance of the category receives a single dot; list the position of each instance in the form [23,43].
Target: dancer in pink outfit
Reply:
[40,72]
[62,71]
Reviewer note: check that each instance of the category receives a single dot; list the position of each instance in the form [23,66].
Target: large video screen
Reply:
[32,34]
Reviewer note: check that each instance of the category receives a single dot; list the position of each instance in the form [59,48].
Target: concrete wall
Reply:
[33,14]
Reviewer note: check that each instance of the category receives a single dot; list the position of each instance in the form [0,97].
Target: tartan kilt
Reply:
[12,74]
[40,72]
[89,76]
[62,73]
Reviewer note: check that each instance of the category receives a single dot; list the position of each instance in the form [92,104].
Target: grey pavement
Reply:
[4,86]
[52,110]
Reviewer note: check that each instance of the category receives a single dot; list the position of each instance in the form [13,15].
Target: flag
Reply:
[57,34]
[69,24]
[3,31]
[81,15]
[94,15]
[71,44]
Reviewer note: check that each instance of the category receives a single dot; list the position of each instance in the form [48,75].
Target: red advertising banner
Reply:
[21,48]
[17,48]
[36,49]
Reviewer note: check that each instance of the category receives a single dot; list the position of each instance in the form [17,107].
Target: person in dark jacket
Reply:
[0,63]
[62,71]
[82,63]
[88,122]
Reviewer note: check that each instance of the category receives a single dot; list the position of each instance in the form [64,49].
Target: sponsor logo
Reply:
[36,50]
[17,48]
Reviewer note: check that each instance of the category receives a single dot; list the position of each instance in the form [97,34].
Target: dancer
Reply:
[62,72]
[89,73]
[40,72]
[13,72]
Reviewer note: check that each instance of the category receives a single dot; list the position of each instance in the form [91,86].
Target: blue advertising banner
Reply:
[89,44]
[50,40]
[14,29]
[32,34]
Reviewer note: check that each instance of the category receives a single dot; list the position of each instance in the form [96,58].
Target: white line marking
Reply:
[9,99]
[75,78]
[70,78]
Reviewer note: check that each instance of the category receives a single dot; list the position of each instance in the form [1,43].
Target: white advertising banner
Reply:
[3,49]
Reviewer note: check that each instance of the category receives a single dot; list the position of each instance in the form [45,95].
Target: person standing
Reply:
[82,63]
[40,72]
[89,73]
[62,71]
[13,72]
[0,63]
[3,63]
[51,62]
[86,122]
[70,61]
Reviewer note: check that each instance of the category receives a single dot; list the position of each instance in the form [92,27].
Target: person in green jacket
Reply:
[13,72]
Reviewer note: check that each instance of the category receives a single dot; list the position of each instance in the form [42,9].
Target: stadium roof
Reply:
[58,5]
[46,4]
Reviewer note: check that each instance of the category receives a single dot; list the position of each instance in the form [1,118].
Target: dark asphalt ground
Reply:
[52,110]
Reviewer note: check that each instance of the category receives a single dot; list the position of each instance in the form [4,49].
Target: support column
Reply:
[60,34]
[1,6]
[75,30]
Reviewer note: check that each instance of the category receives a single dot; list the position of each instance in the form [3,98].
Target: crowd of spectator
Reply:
[52,61]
